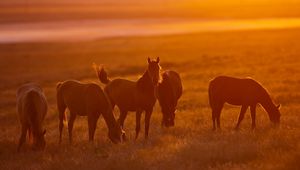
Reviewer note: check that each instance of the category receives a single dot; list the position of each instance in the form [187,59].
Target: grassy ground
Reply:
[271,57]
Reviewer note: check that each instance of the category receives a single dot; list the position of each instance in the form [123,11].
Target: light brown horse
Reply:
[86,100]
[168,92]
[243,92]
[133,96]
[32,109]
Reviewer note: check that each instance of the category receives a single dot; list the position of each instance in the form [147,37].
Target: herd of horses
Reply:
[88,99]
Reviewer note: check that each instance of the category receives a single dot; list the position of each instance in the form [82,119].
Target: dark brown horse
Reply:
[243,92]
[168,92]
[86,100]
[133,96]
[32,109]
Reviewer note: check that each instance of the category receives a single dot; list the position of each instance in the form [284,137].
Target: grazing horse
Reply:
[242,92]
[32,109]
[168,92]
[133,96]
[86,100]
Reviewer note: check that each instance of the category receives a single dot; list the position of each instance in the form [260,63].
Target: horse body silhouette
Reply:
[32,109]
[133,96]
[86,100]
[168,92]
[243,92]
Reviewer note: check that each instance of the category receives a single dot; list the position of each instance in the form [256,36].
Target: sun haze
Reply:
[175,84]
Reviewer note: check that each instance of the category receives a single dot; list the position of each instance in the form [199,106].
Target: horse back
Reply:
[79,97]
[71,93]
[235,91]
[122,93]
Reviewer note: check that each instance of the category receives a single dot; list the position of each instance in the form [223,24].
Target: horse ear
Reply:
[278,106]
[149,61]
[157,59]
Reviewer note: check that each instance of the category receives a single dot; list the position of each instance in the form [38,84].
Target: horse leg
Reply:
[217,113]
[253,115]
[61,110]
[122,118]
[163,121]
[92,123]
[23,136]
[147,122]
[216,108]
[241,117]
[137,123]
[70,125]
[214,118]
[30,135]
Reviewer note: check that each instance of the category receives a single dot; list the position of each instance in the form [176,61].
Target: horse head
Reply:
[154,70]
[275,115]
[39,141]
[117,134]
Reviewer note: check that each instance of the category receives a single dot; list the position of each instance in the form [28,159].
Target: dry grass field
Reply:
[271,57]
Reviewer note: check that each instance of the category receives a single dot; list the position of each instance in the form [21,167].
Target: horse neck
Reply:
[109,119]
[267,103]
[145,83]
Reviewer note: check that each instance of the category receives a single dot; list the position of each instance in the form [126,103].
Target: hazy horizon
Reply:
[34,10]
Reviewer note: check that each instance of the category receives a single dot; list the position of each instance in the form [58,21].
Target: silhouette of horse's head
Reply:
[168,117]
[117,134]
[154,70]
[39,142]
[275,115]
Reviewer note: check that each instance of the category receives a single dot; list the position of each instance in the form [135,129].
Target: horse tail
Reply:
[61,106]
[101,73]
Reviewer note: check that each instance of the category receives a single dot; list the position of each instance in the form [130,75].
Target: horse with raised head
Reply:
[32,108]
[168,93]
[242,92]
[136,96]
[86,100]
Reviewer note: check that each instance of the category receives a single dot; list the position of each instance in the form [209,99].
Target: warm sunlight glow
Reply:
[149,84]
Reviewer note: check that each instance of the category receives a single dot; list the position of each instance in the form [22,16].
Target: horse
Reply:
[244,92]
[85,99]
[168,93]
[136,96]
[32,108]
